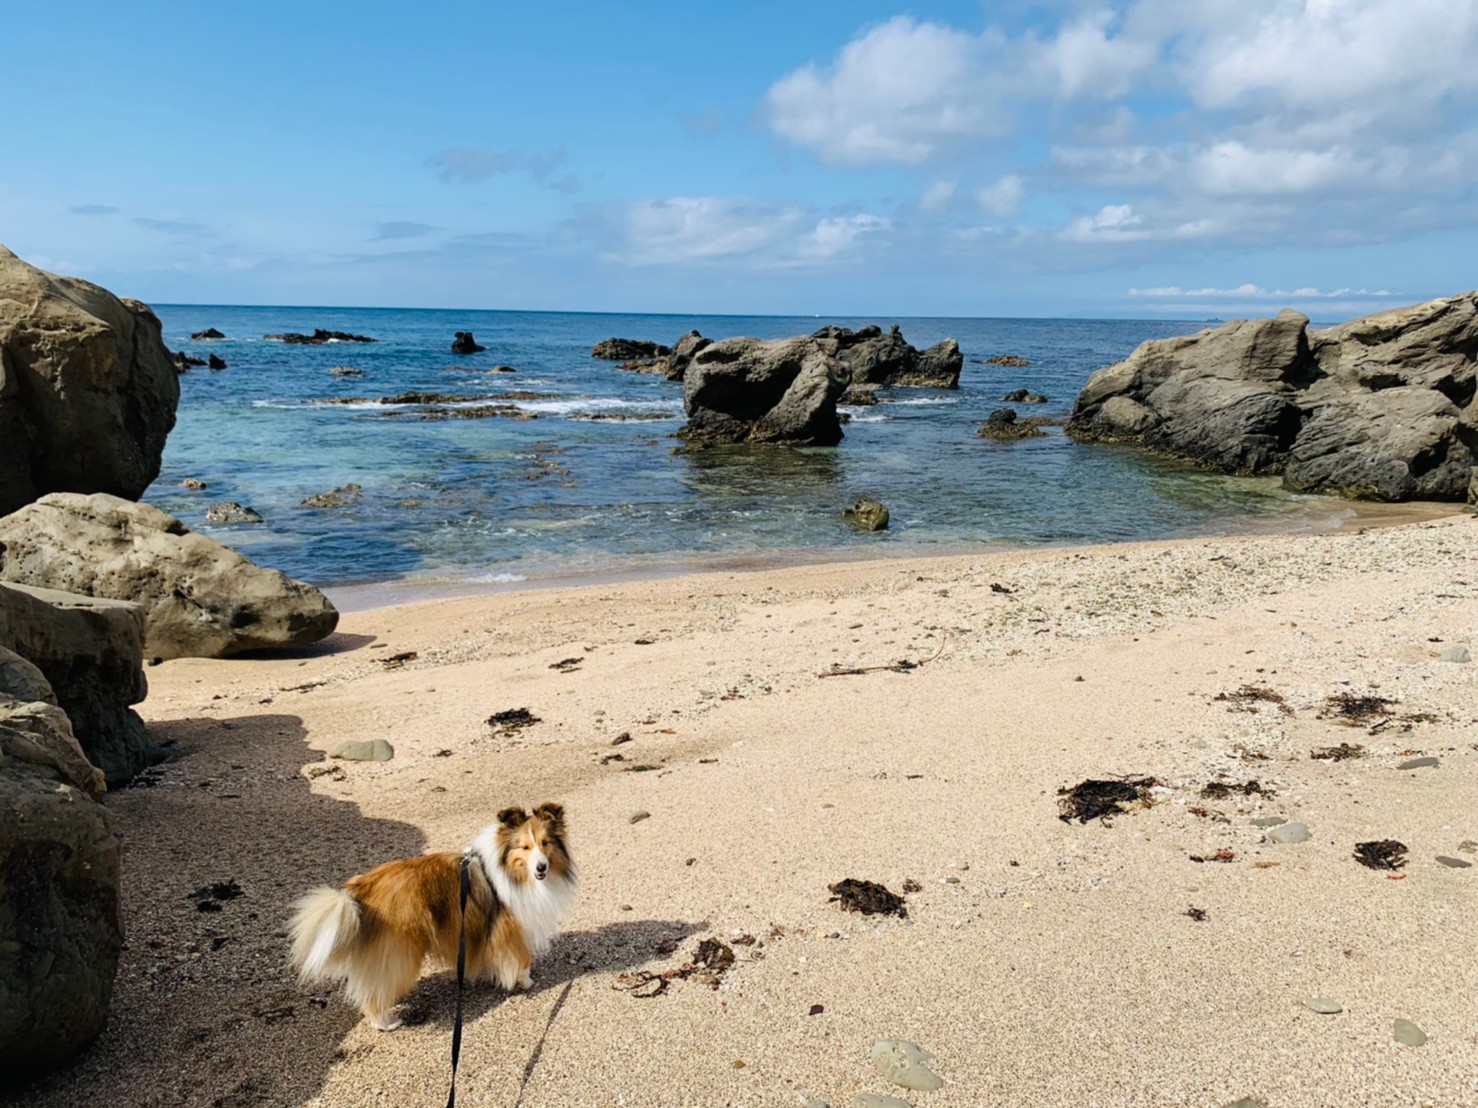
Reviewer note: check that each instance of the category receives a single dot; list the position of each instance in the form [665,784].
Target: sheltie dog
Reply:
[374,933]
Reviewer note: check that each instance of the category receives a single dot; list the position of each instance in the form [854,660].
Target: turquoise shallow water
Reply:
[575,491]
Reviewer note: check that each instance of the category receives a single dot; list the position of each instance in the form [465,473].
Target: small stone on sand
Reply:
[1418,763]
[637,817]
[364,750]
[1323,1005]
[1453,863]
[876,1100]
[1268,821]
[1408,1033]
[1455,654]
[902,1063]
[1289,833]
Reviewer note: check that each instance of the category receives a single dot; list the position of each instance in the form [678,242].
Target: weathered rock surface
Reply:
[764,391]
[91,651]
[230,511]
[867,514]
[1004,424]
[1379,408]
[625,350]
[673,364]
[345,496]
[464,343]
[88,391]
[60,927]
[199,598]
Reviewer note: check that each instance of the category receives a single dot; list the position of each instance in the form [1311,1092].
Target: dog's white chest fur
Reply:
[538,906]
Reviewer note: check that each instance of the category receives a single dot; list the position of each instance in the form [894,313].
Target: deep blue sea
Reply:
[575,491]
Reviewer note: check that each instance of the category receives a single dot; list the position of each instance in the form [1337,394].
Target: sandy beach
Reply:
[1041,962]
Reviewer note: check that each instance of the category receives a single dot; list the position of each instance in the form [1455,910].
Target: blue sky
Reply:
[1145,158]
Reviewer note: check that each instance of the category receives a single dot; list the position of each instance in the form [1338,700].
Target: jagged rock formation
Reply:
[764,391]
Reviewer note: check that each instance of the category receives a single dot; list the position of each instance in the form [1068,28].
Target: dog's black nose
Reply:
[541,868]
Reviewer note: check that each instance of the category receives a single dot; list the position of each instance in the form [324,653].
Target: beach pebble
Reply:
[1468,846]
[1268,821]
[875,1100]
[1408,1033]
[1323,1005]
[1453,863]
[902,1063]
[817,1104]
[364,750]
[1247,1102]
[1418,763]
[1455,654]
[638,816]
[1289,833]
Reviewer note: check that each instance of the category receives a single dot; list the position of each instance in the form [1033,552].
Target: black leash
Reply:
[451,1099]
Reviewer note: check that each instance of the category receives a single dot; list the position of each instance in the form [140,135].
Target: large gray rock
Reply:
[91,653]
[1378,408]
[200,599]
[87,390]
[874,357]
[764,391]
[60,927]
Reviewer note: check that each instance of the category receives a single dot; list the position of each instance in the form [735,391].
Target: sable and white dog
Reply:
[374,932]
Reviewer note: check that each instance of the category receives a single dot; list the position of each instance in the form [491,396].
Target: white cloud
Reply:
[1002,198]
[901,92]
[1083,60]
[686,229]
[1257,291]
[938,196]
[1112,223]
[1233,168]
[839,235]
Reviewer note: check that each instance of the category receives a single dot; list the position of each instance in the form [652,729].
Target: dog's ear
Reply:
[512,817]
[552,814]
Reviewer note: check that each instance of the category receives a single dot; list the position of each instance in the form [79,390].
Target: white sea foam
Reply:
[589,405]
[498,578]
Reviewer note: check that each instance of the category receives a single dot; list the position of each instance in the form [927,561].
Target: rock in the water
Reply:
[345,371]
[1323,1005]
[902,1063]
[763,391]
[345,496]
[1289,833]
[626,350]
[183,362]
[199,598]
[1457,654]
[87,389]
[364,750]
[1007,359]
[1003,424]
[91,652]
[1453,863]
[60,926]
[1378,408]
[229,511]
[319,337]
[208,333]
[1024,396]
[216,362]
[194,484]
[1408,1033]
[871,357]
[868,515]
[1418,763]
[859,396]
[464,343]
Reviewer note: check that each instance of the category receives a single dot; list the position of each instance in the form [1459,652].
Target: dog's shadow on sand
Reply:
[613,948]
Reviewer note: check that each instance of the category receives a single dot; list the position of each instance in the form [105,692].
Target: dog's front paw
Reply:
[526,981]
[385,1022]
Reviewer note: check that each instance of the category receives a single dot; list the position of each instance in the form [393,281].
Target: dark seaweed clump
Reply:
[1098,799]
[869,898]
[1381,854]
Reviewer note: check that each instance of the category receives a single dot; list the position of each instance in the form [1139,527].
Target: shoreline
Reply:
[1339,515]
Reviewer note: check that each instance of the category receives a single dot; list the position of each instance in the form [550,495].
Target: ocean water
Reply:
[592,484]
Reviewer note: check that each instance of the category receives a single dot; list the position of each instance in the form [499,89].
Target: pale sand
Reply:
[1061,969]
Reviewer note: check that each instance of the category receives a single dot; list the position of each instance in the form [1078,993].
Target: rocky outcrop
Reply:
[87,389]
[183,362]
[872,357]
[1379,408]
[674,364]
[1015,360]
[216,362]
[199,598]
[1024,396]
[60,926]
[231,511]
[91,651]
[764,391]
[625,350]
[206,335]
[319,337]
[464,343]
[1004,424]
[345,496]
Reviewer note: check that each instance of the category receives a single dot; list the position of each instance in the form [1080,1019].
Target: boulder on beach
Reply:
[464,343]
[206,335]
[1379,408]
[764,391]
[874,357]
[199,598]
[626,350]
[88,391]
[91,651]
[60,925]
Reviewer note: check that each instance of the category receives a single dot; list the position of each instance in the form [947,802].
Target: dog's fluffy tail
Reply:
[325,923]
